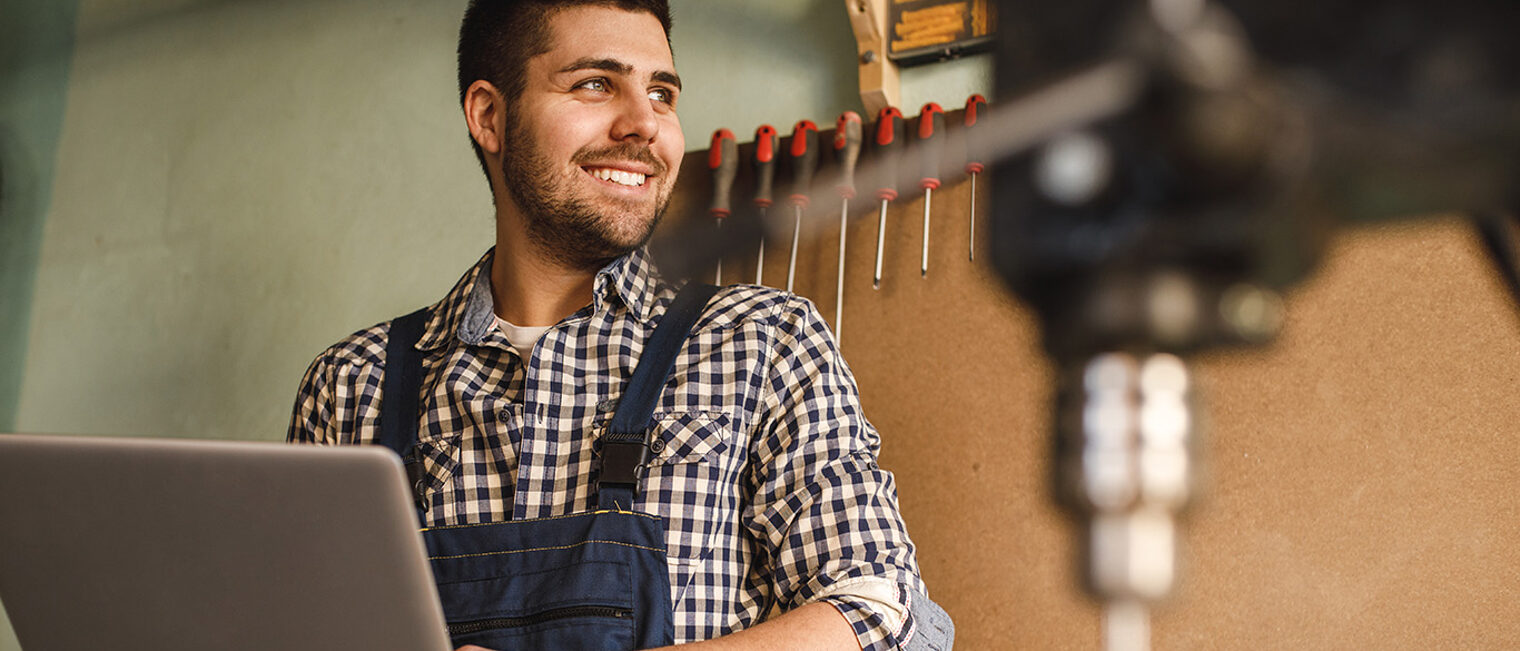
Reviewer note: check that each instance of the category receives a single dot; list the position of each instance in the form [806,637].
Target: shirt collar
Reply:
[631,278]
[467,311]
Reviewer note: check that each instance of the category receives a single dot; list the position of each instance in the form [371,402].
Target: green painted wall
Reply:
[242,183]
[36,44]
[239,184]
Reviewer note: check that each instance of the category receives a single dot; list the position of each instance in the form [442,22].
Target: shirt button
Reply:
[657,446]
[505,414]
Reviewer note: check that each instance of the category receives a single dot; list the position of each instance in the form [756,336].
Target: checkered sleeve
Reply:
[314,405]
[826,513]
[339,398]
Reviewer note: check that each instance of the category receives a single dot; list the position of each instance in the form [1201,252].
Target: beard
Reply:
[569,228]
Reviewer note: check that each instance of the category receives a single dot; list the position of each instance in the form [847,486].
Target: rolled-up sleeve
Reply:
[825,511]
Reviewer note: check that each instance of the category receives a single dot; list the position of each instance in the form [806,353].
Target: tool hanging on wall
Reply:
[976,159]
[723,160]
[847,139]
[931,122]
[767,141]
[804,156]
[889,137]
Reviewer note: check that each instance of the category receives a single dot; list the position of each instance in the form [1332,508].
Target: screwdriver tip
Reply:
[876,284]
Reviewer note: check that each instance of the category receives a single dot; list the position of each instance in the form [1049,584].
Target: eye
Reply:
[663,96]
[597,85]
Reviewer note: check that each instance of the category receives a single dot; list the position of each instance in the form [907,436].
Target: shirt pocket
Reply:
[440,462]
[690,480]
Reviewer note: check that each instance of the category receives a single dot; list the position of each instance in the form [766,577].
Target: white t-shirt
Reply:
[522,339]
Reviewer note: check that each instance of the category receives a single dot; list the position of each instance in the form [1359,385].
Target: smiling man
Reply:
[605,459]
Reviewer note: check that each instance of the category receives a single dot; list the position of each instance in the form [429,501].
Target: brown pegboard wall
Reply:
[1361,489]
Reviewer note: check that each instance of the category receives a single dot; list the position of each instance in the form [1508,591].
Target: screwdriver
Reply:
[931,122]
[975,158]
[723,160]
[847,150]
[767,141]
[889,137]
[804,162]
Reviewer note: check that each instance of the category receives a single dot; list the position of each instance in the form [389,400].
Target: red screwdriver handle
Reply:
[767,142]
[888,140]
[804,155]
[976,157]
[931,123]
[723,160]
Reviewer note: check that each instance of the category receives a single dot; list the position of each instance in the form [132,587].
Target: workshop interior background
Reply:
[199,195]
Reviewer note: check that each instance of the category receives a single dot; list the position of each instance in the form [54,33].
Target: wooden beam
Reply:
[880,85]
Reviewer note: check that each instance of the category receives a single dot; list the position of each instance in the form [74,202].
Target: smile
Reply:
[620,177]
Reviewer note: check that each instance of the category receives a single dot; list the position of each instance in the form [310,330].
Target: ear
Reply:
[485,113]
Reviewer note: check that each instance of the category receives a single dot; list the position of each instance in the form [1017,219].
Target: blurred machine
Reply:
[1167,167]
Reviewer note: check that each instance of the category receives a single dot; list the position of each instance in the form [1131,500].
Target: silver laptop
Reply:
[115,543]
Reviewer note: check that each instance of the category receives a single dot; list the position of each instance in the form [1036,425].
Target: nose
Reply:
[636,120]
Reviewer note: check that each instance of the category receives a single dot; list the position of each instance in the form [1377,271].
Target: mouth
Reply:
[624,178]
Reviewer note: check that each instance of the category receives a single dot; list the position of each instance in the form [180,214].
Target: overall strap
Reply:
[401,390]
[624,447]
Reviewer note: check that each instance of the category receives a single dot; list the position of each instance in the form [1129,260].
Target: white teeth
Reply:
[618,176]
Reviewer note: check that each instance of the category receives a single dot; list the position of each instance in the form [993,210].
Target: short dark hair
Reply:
[497,37]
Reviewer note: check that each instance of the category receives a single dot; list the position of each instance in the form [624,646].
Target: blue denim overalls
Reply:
[593,581]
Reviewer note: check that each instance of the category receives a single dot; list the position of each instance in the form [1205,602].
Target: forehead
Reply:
[635,38]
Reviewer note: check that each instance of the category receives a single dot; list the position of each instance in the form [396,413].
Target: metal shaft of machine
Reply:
[888,140]
[1125,462]
[767,142]
[1126,626]
[847,141]
[931,123]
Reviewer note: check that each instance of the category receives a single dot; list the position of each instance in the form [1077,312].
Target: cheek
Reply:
[562,133]
[672,150]
[674,159]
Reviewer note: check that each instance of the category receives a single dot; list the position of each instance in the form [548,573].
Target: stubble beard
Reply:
[564,226]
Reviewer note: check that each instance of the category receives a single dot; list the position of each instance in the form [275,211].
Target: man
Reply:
[760,468]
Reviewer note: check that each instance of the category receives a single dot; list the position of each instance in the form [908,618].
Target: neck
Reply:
[529,288]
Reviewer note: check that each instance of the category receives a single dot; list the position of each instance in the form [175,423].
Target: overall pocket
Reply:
[592,581]
[581,605]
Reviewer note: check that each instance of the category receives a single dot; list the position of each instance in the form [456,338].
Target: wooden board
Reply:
[1363,488]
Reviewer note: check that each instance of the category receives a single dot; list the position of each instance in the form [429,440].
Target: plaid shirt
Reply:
[762,466]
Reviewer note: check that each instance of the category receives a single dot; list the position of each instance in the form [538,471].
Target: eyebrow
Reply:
[618,67]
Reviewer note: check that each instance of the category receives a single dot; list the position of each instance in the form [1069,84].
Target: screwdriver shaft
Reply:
[976,105]
[928,200]
[881,243]
[971,247]
[791,267]
[718,274]
[760,262]
[844,222]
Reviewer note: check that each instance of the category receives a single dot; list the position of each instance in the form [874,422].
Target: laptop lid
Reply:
[126,543]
